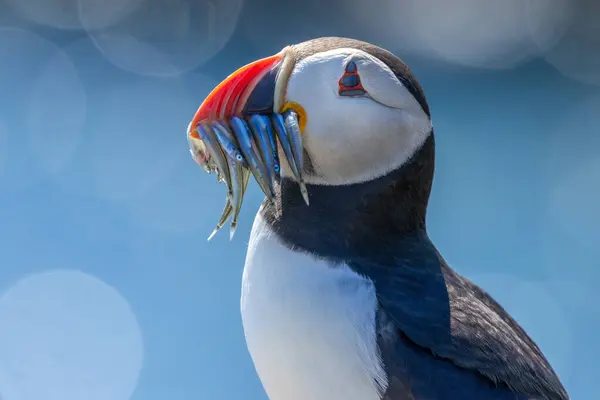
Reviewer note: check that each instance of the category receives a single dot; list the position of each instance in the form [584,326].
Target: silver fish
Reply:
[236,150]
[230,209]
[251,153]
[209,138]
[239,177]
[260,126]
[292,129]
[273,143]
[228,142]
[285,133]
[242,177]
[227,212]
[279,128]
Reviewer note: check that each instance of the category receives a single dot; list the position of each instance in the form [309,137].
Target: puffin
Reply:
[344,295]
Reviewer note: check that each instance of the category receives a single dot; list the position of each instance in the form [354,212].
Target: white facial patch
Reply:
[355,139]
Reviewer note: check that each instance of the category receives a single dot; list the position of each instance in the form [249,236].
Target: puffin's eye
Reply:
[349,83]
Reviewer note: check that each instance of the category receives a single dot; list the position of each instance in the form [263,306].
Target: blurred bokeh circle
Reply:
[55,115]
[573,168]
[168,37]
[475,33]
[98,14]
[47,108]
[61,14]
[74,14]
[135,137]
[68,336]
[269,26]
[577,54]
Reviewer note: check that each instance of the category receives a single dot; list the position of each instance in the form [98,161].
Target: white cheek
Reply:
[351,144]
[363,148]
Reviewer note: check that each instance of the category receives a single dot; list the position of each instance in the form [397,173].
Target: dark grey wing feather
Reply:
[442,337]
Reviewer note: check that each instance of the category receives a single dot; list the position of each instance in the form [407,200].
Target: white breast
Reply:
[309,325]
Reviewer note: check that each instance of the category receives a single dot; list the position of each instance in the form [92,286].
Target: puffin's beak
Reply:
[238,128]
[248,90]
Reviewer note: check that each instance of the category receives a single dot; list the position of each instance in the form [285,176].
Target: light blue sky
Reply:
[109,289]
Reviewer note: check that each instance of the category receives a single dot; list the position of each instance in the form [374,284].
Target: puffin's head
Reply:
[360,111]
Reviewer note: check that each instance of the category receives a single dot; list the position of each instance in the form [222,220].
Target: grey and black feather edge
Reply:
[442,337]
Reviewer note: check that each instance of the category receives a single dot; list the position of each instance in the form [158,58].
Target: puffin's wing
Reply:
[442,337]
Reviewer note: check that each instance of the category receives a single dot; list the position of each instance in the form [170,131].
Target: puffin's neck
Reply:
[357,220]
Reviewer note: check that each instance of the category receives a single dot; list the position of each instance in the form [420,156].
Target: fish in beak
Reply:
[240,130]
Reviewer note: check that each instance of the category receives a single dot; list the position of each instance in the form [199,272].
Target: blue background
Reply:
[108,287]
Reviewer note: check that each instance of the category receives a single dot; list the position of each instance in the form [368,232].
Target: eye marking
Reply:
[349,83]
